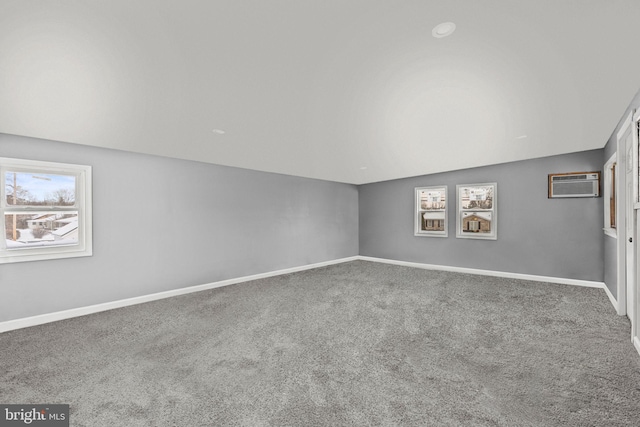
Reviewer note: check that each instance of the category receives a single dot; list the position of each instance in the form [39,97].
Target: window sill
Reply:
[611,232]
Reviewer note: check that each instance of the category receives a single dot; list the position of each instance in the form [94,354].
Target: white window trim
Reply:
[493,235]
[418,212]
[84,247]
[612,232]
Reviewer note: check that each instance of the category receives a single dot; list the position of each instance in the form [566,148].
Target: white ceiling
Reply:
[353,91]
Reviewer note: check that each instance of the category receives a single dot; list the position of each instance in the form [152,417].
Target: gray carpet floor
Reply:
[358,344]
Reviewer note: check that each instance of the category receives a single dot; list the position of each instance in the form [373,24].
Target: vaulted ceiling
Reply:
[354,91]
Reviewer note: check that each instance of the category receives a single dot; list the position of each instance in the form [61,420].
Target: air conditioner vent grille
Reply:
[577,184]
[574,189]
[569,177]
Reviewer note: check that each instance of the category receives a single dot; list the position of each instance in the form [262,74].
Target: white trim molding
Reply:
[614,302]
[621,210]
[83,311]
[548,279]
[625,124]
[26,322]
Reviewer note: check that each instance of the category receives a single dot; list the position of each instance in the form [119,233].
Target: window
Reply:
[612,199]
[431,211]
[610,196]
[477,211]
[45,209]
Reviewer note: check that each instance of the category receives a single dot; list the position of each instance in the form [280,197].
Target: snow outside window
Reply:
[45,210]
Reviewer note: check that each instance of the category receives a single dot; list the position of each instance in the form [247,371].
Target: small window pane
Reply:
[433,199]
[476,222]
[476,197]
[38,189]
[612,198]
[26,229]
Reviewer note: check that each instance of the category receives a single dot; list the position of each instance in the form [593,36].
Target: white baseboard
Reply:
[11,325]
[547,279]
[636,344]
[82,311]
[614,302]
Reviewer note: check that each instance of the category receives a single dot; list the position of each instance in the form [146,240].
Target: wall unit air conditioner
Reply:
[575,184]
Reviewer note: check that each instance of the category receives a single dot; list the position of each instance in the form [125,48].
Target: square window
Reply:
[46,210]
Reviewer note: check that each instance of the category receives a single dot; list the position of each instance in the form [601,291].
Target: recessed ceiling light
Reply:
[363,168]
[219,131]
[443,30]
[521,137]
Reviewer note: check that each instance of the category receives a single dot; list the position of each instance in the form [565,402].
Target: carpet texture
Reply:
[358,343]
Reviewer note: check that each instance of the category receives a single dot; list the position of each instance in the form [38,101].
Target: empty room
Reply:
[319,213]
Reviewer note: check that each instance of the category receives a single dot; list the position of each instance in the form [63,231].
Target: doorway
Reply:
[630,221]
[627,139]
[633,287]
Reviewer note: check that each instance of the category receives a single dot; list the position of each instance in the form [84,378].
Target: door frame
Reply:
[635,290]
[621,213]
[630,124]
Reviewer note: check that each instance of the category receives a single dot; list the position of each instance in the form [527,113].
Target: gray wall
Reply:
[536,235]
[610,243]
[162,224]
